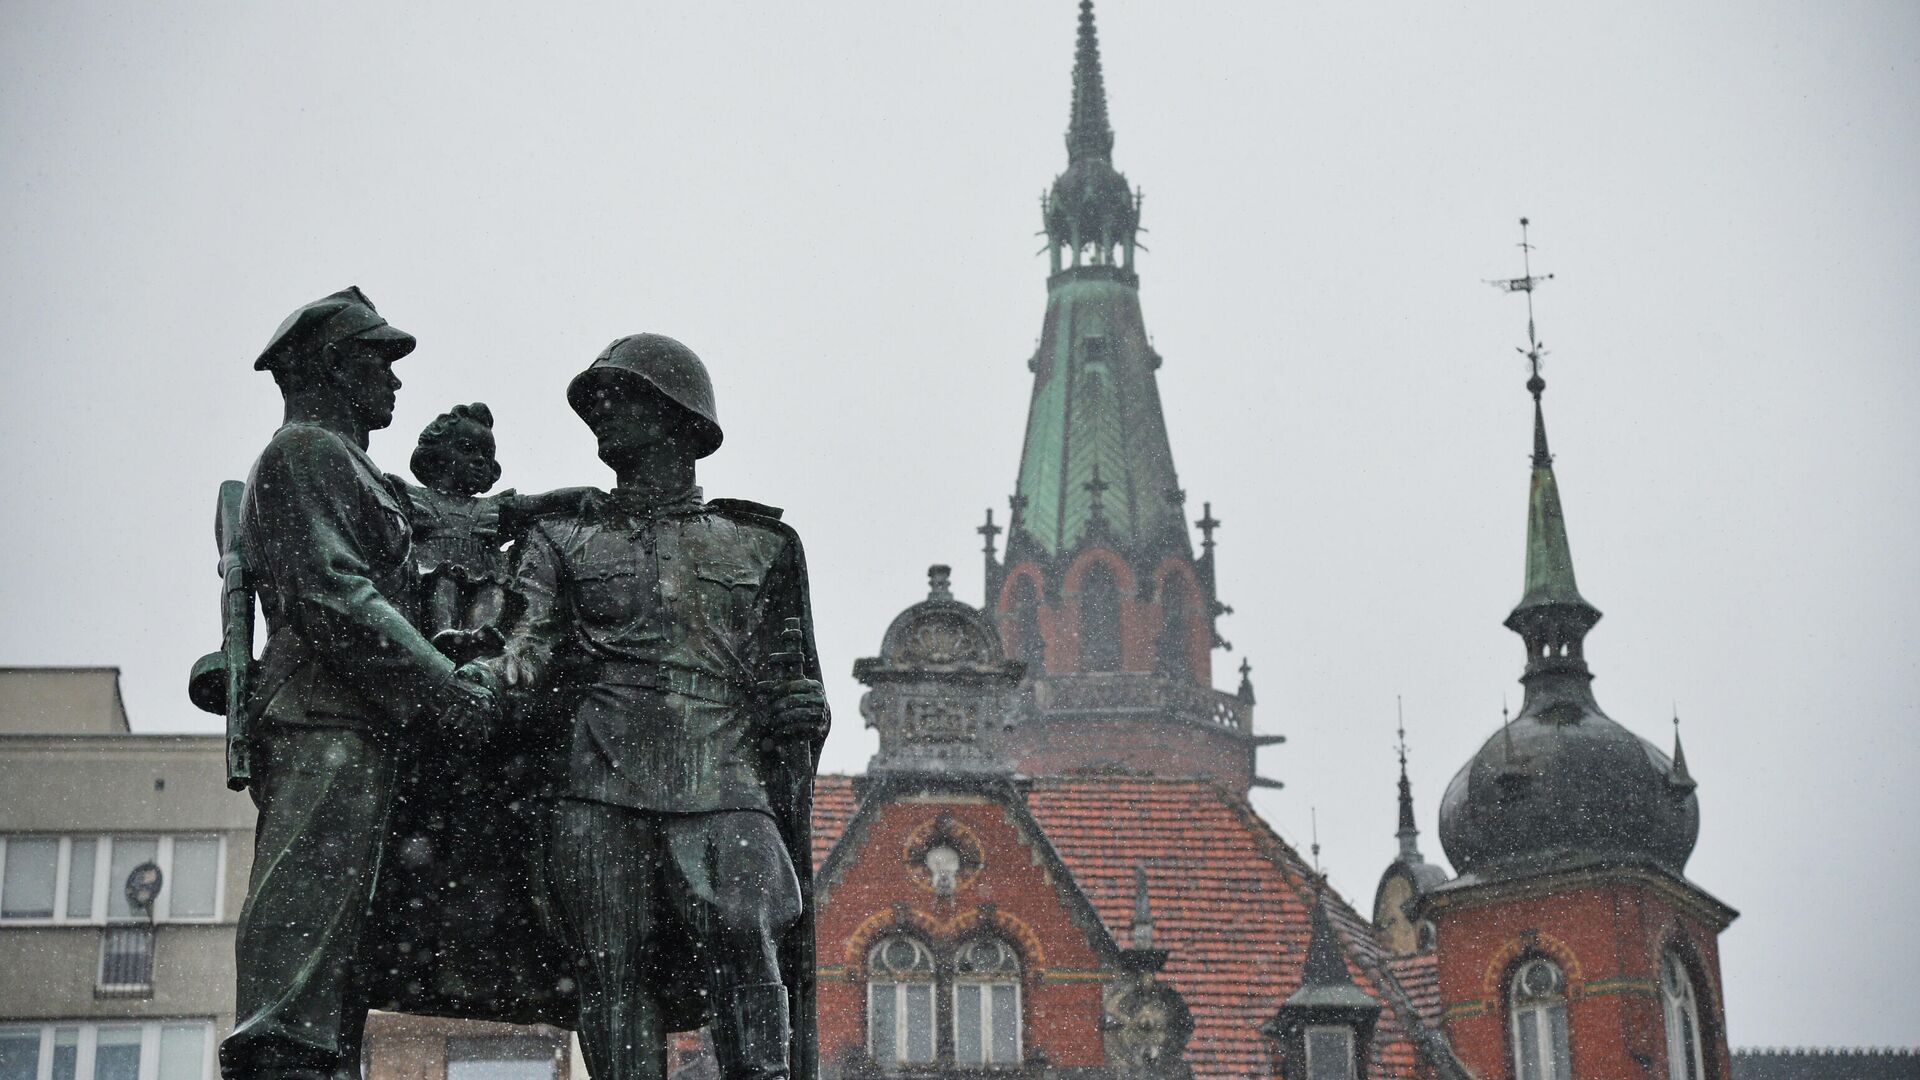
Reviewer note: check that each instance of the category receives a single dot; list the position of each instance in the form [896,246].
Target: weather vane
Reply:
[1526,283]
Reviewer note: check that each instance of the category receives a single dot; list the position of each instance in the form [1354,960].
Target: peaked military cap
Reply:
[343,316]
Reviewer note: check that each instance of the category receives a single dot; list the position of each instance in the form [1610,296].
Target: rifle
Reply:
[220,680]
[792,792]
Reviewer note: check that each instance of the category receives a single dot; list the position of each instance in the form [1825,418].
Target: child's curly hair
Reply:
[430,460]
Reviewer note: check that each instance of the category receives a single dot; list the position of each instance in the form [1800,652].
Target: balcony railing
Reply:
[1139,695]
[126,962]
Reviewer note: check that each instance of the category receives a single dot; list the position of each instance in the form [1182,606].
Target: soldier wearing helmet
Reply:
[678,730]
[343,674]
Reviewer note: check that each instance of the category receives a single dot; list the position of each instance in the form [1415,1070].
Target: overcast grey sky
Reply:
[835,205]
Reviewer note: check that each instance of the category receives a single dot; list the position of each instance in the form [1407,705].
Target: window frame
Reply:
[88,1042]
[986,986]
[102,885]
[1680,1019]
[943,982]
[1347,1068]
[1555,1060]
[895,983]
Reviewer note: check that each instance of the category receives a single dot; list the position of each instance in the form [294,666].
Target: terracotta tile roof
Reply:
[833,807]
[1230,901]
[1419,979]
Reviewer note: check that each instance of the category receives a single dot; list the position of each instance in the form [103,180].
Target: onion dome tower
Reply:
[1570,836]
[1562,780]
[1100,592]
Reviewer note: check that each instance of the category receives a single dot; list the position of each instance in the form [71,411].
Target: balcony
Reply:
[1128,694]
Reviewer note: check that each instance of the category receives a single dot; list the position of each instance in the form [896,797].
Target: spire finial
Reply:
[1313,817]
[1206,525]
[1087,132]
[989,531]
[1506,728]
[1245,693]
[939,582]
[1142,911]
[1526,283]
[1408,833]
[1681,777]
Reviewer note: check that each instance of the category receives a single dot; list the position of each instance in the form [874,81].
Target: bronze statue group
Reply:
[518,757]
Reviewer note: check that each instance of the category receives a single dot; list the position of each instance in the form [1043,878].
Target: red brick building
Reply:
[1052,867]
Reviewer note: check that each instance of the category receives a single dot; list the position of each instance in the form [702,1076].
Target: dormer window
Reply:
[1330,1053]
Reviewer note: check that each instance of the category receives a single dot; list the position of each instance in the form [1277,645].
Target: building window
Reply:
[503,1057]
[977,986]
[1538,999]
[1682,1009]
[1099,620]
[986,1004]
[1329,1053]
[155,1050]
[900,1027]
[82,879]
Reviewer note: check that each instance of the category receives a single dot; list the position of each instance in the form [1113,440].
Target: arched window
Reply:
[1537,998]
[986,1004]
[1028,644]
[1099,620]
[900,1026]
[1176,614]
[1682,1009]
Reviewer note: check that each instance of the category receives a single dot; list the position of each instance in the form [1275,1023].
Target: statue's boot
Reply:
[751,1033]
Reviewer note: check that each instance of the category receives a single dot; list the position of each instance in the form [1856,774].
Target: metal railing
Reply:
[126,961]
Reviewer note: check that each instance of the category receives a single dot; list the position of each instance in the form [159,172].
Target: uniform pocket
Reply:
[608,597]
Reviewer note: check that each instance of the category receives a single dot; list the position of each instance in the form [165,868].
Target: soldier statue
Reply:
[344,684]
[663,661]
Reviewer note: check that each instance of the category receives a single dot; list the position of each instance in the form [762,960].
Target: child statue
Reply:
[458,532]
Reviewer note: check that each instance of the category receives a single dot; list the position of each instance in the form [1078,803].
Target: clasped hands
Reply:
[473,706]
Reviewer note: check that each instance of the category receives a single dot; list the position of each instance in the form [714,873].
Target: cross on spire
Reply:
[1206,525]
[990,531]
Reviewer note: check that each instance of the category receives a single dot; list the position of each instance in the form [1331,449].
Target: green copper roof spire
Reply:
[1088,134]
[1550,587]
[1096,465]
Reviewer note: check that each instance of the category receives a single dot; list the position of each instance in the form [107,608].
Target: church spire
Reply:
[1409,833]
[1551,617]
[1088,134]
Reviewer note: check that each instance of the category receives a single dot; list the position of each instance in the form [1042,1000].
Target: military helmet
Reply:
[668,367]
[343,316]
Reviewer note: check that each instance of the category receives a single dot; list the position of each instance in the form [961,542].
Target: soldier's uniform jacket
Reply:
[649,626]
[328,537]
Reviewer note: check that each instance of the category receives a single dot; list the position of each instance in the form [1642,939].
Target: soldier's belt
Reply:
[666,680]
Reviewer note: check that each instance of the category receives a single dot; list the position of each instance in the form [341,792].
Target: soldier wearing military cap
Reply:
[343,682]
[666,653]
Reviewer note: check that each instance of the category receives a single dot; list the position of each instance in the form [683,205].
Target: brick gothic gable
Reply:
[1230,901]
